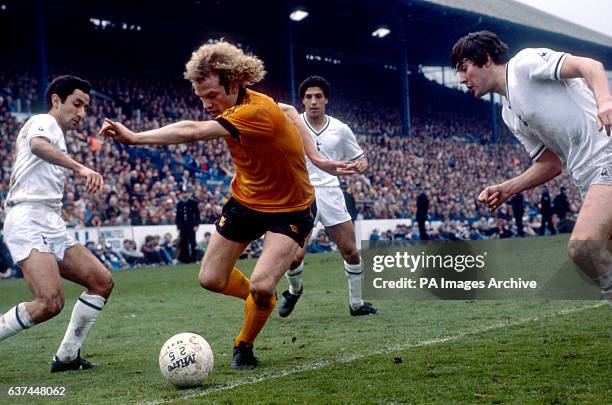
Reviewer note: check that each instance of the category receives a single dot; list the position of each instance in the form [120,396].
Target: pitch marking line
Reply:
[195,393]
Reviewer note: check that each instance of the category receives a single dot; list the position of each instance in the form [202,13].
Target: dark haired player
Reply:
[36,234]
[559,106]
[335,141]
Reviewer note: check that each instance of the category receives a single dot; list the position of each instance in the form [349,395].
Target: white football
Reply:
[186,360]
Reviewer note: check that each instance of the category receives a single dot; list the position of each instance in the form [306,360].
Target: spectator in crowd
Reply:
[114,258]
[7,266]
[421,213]
[518,210]
[374,235]
[112,208]
[504,229]
[320,244]
[90,245]
[187,222]
[253,250]
[98,251]
[561,204]
[169,245]
[546,209]
[203,245]
[132,256]
[566,224]
[475,234]
[152,252]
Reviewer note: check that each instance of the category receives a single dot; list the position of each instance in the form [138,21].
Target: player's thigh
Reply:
[595,219]
[220,258]
[277,255]
[79,265]
[41,274]
[343,235]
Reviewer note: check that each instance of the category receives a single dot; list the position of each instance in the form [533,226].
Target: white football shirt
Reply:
[33,179]
[335,141]
[545,112]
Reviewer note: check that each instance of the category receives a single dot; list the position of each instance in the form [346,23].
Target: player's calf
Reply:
[587,254]
[24,315]
[84,314]
[255,316]
[594,258]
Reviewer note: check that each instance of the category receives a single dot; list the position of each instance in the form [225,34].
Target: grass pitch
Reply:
[519,351]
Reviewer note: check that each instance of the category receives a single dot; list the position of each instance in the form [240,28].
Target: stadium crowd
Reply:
[447,156]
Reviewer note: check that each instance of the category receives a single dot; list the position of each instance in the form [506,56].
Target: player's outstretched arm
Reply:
[545,168]
[329,166]
[179,132]
[42,148]
[595,75]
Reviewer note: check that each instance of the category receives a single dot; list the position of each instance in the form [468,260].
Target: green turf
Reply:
[497,351]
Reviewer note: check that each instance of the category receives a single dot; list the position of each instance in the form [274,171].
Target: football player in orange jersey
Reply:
[271,192]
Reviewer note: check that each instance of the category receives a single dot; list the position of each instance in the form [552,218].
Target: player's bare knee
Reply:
[262,293]
[50,305]
[211,283]
[207,279]
[573,249]
[296,261]
[107,284]
[581,250]
[351,255]
[102,283]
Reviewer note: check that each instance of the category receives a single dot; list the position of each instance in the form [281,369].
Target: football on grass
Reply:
[186,360]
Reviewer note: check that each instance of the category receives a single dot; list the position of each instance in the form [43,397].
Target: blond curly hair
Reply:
[226,61]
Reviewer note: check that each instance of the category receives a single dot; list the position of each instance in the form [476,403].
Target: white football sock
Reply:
[353,275]
[14,321]
[83,316]
[605,282]
[294,277]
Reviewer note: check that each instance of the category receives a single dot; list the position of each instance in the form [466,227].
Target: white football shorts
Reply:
[35,226]
[331,207]
[599,173]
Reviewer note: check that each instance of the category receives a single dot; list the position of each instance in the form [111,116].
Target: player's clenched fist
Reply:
[493,196]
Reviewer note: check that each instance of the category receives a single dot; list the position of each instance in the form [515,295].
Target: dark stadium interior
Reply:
[341,27]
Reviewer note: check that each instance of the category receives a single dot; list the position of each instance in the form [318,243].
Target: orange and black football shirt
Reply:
[267,150]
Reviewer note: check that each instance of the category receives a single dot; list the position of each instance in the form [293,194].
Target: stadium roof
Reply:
[523,14]
[334,29]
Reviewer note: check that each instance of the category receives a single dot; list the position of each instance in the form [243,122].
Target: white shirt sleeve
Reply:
[541,63]
[45,126]
[532,144]
[350,147]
